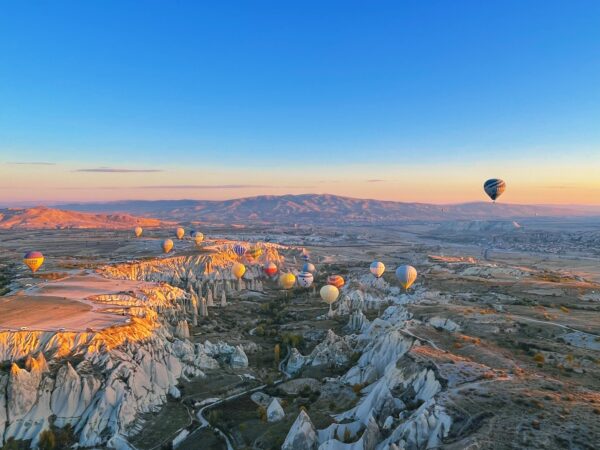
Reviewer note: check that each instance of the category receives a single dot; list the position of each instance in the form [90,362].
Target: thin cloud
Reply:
[375,180]
[192,186]
[31,163]
[118,170]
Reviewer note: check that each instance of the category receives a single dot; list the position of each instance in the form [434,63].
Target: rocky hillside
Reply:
[49,218]
[321,209]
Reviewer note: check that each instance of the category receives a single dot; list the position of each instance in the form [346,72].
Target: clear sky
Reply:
[400,100]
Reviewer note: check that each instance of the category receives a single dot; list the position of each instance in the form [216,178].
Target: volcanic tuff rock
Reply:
[302,434]
[111,376]
[42,217]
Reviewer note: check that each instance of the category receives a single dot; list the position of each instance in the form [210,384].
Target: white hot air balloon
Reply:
[377,268]
[329,294]
[138,231]
[305,279]
[407,276]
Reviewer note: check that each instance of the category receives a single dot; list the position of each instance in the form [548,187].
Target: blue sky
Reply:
[365,90]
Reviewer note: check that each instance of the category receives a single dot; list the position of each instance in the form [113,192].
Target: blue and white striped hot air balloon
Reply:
[494,188]
[305,279]
[239,250]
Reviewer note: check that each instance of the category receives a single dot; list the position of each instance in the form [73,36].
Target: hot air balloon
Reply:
[329,294]
[377,268]
[180,232]
[305,279]
[33,260]
[254,253]
[198,237]
[138,231]
[494,188]
[238,270]
[407,276]
[335,280]
[270,269]
[287,280]
[305,256]
[308,267]
[167,245]
[239,250]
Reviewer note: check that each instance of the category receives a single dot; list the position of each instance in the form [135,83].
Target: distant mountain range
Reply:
[322,209]
[50,218]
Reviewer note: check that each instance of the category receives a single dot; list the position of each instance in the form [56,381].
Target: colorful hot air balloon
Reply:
[287,280]
[138,231]
[407,276]
[308,267]
[377,268]
[329,294]
[335,280]
[238,270]
[305,256]
[254,253]
[239,250]
[494,188]
[167,245]
[270,269]
[33,260]
[305,279]
[198,237]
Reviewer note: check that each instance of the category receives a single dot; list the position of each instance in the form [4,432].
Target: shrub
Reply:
[47,440]
[539,358]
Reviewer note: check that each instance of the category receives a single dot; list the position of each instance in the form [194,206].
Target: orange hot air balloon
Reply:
[335,280]
[138,231]
[167,245]
[287,280]
[238,270]
[270,269]
[180,232]
[33,260]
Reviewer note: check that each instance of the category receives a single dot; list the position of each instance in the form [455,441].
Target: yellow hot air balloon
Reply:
[238,270]
[287,280]
[33,260]
[329,294]
[198,238]
[167,245]
[138,231]
[377,268]
[180,232]
[407,276]
[253,253]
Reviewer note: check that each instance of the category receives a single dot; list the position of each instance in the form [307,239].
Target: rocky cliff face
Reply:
[101,381]
[401,400]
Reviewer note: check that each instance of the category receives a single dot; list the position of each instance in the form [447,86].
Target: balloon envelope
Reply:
[239,249]
[198,237]
[308,267]
[305,279]
[167,245]
[138,231]
[287,280]
[329,293]
[238,270]
[494,188]
[335,280]
[407,275]
[180,232]
[33,260]
[254,252]
[377,268]
[270,269]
